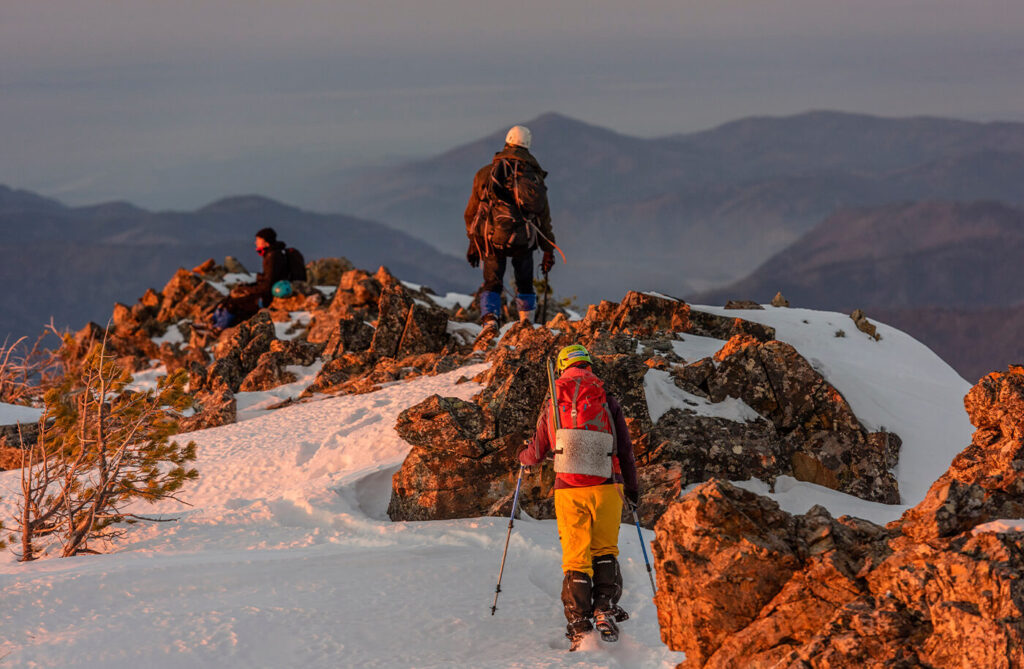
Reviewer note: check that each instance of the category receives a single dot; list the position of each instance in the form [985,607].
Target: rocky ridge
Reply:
[357,329]
[743,583]
[463,455]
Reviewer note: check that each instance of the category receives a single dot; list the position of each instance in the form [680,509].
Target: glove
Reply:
[633,496]
[473,255]
[547,262]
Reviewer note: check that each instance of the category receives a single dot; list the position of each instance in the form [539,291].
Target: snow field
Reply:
[286,558]
[15,413]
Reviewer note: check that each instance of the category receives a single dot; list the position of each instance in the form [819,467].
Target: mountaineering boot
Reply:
[576,591]
[608,585]
[577,631]
[604,621]
[526,316]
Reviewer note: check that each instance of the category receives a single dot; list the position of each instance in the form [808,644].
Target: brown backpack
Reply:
[513,196]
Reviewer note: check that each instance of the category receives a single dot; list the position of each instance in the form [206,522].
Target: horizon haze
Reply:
[173,105]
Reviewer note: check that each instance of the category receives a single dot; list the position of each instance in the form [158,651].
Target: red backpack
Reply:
[583,405]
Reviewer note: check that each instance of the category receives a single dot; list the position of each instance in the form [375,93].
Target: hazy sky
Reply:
[172,103]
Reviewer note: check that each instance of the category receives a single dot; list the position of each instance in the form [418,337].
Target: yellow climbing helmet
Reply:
[572,355]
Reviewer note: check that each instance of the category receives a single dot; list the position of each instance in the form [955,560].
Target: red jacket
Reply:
[541,445]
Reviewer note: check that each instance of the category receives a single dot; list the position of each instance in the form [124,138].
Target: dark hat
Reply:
[268,235]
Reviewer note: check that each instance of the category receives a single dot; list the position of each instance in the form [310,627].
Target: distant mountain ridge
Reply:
[74,263]
[948,273]
[897,256]
[690,211]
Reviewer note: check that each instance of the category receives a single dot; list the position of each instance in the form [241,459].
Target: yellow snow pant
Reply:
[588,524]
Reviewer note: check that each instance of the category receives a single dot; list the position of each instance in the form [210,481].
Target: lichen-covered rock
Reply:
[123,319]
[17,436]
[455,469]
[693,378]
[296,352]
[705,447]
[517,382]
[931,590]
[237,353]
[327,271]
[186,296]
[822,440]
[350,335]
[721,555]
[232,264]
[394,306]
[741,374]
[742,304]
[268,373]
[425,331]
[645,314]
[356,298]
[986,480]
[842,460]
[214,407]
[864,325]
[339,370]
[707,324]
[623,377]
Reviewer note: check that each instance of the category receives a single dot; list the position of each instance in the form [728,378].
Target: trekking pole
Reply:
[643,547]
[544,305]
[508,535]
[650,574]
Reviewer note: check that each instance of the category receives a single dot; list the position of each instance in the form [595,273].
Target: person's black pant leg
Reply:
[494,272]
[522,267]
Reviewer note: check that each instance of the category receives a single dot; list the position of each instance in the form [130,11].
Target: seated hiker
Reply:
[281,265]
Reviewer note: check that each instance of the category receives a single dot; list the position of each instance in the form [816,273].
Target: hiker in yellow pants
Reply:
[594,468]
[588,524]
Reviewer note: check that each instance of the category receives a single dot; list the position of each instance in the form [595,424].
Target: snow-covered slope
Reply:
[286,558]
[13,413]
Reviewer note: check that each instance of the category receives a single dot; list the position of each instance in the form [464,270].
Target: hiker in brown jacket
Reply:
[507,217]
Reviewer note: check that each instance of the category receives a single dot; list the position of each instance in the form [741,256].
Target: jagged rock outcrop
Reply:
[864,325]
[457,469]
[822,440]
[743,583]
[349,335]
[357,297]
[780,300]
[373,330]
[213,407]
[327,271]
[186,295]
[689,448]
[742,304]
[986,480]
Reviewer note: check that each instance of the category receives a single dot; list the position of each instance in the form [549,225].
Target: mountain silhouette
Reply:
[74,263]
[946,273]
[692,211]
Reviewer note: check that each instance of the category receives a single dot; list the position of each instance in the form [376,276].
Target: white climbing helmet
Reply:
[519,135]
